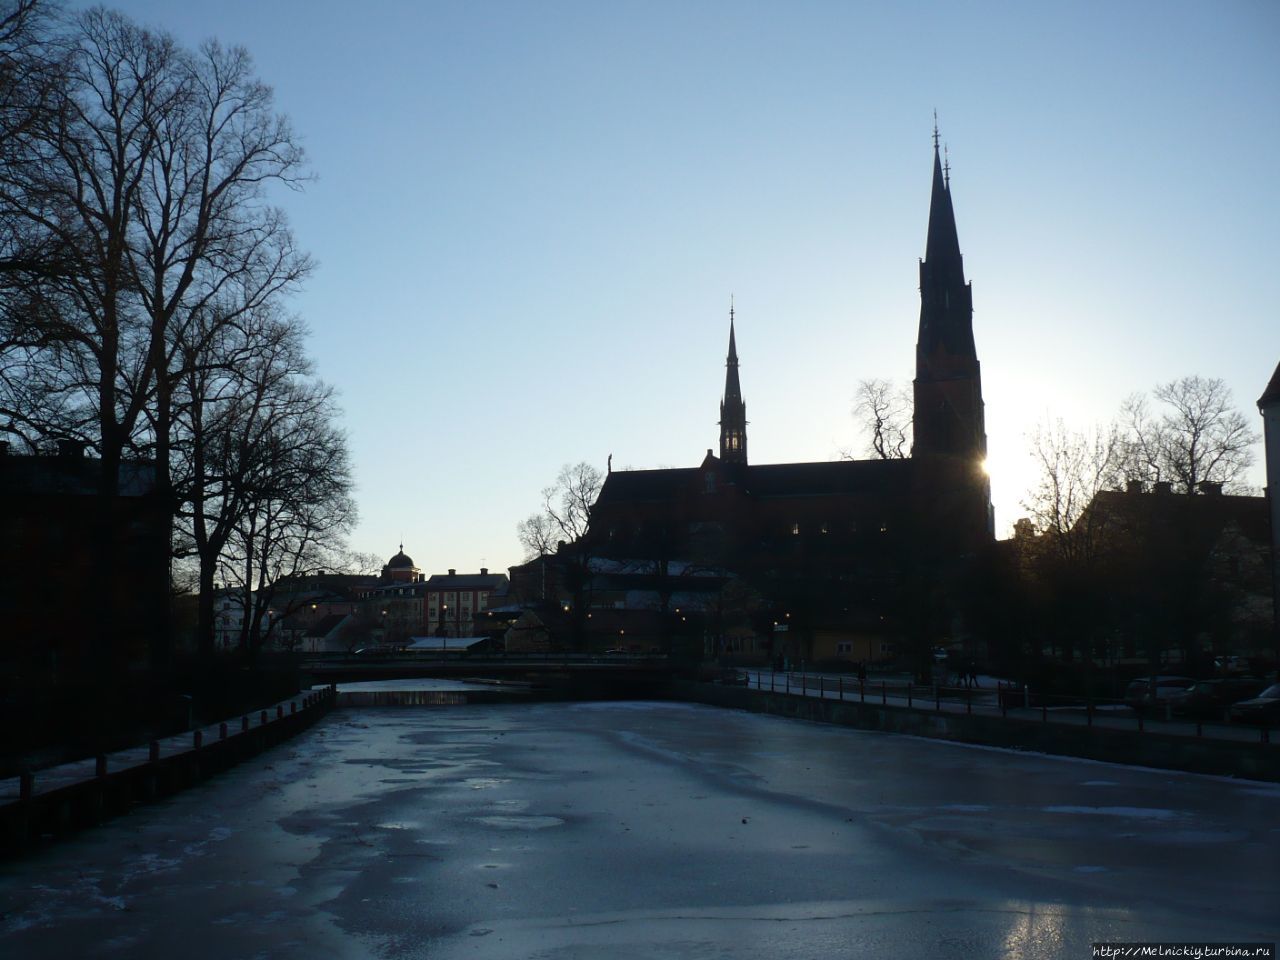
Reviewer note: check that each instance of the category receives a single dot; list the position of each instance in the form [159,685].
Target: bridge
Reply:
[623,670]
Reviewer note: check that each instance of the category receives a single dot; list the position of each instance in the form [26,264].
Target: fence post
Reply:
[884,693]
[908,694]
[822,688]
[787,677]
[804,684]
[773,676]
[100,765]
[244,724]
[937,698]
[862,691]
[222,731]
[840,687]
[1044,710]
[1004,700]
[197,739]
[26,785]
[1088,712]
[968,703]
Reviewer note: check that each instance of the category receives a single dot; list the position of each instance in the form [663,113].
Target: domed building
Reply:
[400,569]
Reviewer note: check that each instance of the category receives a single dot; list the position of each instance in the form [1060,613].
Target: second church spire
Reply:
[733,411]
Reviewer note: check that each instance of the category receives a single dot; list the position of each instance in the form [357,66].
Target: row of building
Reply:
[334,612]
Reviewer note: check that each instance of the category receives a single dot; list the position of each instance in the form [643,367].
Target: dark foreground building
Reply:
[58,603]
[837,559]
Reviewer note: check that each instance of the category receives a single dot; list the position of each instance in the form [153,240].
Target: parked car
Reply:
[1230,666]
[1264,708]
[1209,699]
[1145,693]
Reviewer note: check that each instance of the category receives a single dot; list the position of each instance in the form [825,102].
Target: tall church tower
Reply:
[950,439]
[733,412]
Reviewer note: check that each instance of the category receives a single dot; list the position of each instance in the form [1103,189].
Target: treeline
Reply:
[145,277]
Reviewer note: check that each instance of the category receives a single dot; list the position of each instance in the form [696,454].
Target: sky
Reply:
[529,219]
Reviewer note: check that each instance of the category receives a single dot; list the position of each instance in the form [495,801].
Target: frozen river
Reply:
[652,830]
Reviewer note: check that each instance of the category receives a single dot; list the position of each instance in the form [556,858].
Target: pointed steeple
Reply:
[733,412]
[948,411]
[945,345]
[943,242]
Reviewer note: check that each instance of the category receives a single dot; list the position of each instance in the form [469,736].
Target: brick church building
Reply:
[850,558]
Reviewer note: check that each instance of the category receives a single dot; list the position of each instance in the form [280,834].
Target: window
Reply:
[844,646]
[824,528]
[709,479]
[795,529]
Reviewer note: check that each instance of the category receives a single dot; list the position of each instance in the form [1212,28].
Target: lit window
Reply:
[824,528]
[795,529]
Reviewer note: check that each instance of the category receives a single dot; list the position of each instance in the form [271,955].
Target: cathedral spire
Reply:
[733,412]
[945,351]
[948,422]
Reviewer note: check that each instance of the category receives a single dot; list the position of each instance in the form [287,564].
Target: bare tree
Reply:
[558,535]
[137,232]
[297,504]
[566,511]
[1196,435]
[882,412]
[1074,466]
[244,407]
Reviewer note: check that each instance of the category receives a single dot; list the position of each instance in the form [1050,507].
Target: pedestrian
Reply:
[862,671]
[973,674]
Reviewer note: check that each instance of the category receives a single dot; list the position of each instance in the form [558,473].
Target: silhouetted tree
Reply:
[1073,466]
[136,222]
[558,535]
[882,412]
[1195,435]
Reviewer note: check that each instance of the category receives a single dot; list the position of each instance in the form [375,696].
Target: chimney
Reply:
[1135,486]
[484,571]
[1210,488]
[1162,487]
[452,572]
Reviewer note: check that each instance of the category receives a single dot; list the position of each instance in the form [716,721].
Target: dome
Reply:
[401,561]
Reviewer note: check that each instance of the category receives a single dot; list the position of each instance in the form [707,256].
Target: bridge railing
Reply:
[470,656]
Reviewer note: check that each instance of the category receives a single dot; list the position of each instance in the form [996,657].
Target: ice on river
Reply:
[631,830]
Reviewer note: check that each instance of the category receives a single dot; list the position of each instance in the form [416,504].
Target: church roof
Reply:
[824,478]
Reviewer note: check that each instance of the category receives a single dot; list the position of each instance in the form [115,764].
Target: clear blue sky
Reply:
[529,218]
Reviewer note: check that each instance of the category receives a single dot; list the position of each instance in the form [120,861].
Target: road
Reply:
[630,830]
